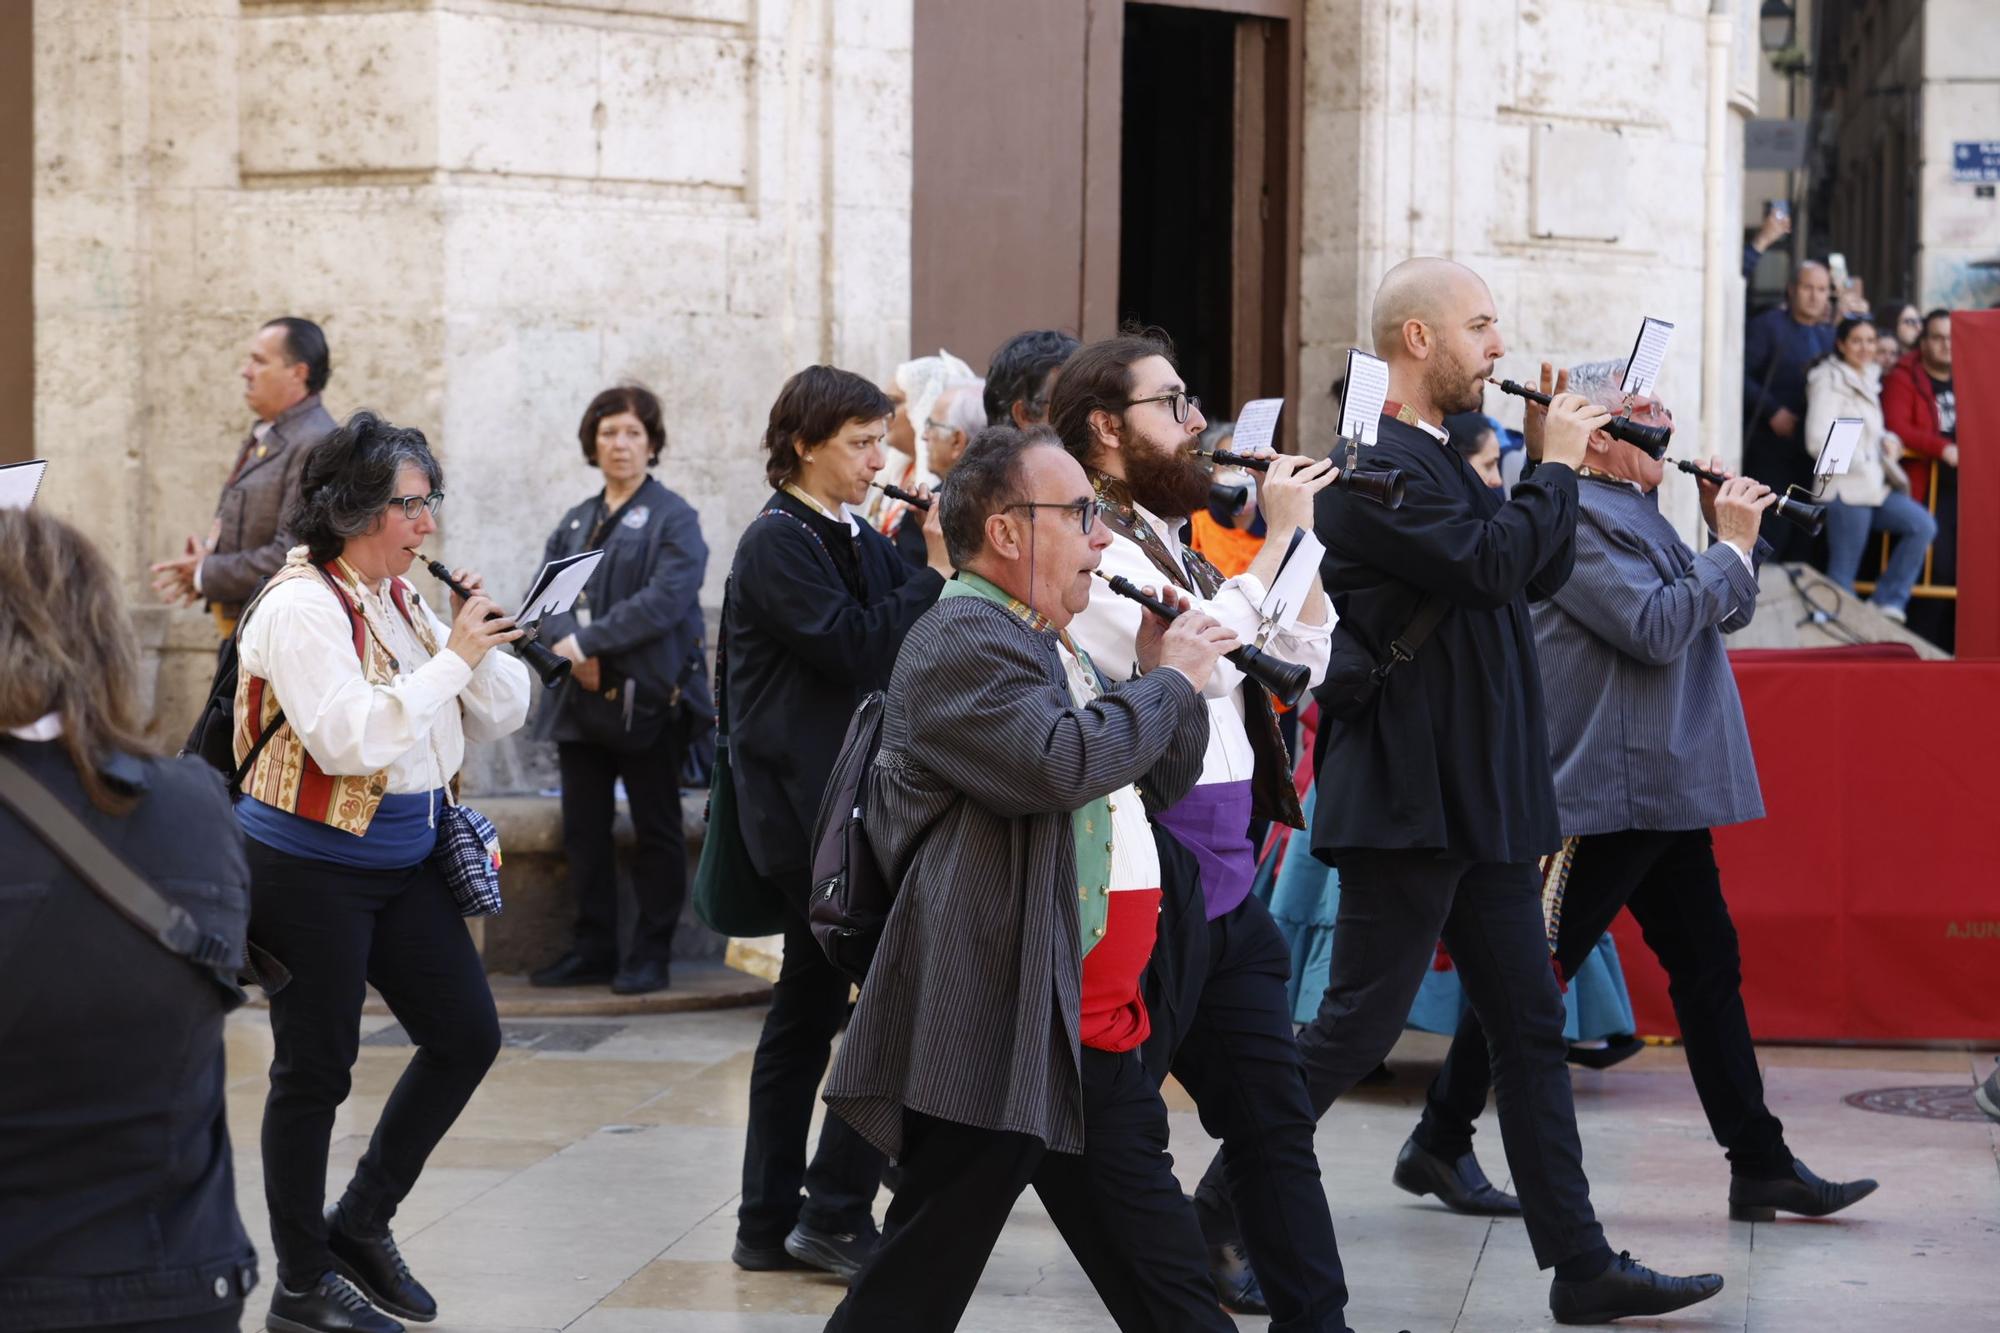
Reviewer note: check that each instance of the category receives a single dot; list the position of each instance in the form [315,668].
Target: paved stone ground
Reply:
[591,1186]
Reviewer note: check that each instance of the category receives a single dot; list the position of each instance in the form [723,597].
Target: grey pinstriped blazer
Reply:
[970,1011]
[1646,729]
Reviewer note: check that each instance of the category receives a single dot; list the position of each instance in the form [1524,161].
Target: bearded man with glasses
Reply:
[1123,412]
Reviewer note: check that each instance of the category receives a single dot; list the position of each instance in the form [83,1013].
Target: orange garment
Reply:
[1229,549]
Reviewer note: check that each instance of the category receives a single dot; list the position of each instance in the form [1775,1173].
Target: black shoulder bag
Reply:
[1354,676]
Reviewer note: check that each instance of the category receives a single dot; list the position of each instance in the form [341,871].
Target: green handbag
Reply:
[730,897]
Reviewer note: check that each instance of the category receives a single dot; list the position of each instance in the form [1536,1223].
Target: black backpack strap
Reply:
[250,760]
[91,860]
[1403,647]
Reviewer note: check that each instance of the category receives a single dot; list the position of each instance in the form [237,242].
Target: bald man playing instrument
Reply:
[1435,790]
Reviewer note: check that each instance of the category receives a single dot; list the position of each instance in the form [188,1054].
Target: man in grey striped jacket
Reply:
[1650,752]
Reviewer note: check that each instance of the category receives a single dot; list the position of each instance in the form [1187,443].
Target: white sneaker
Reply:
[1895,613]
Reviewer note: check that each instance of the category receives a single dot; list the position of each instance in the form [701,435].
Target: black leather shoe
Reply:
[1460,1186]
[1236,1284]
[330,1307]
[1627,1287]
[840,1253]
[1615,1050]
[762,1258]
[375,1266]
[572,969]
[640,979]
[1801,1192]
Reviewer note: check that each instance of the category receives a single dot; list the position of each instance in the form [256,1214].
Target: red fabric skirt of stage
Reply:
[1867,901]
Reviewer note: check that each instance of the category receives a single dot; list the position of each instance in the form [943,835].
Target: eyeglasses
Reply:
[1086,511]
[414,505]
[932,426]
[1180,401]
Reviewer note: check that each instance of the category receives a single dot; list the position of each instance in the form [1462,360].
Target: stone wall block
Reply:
[870,121]
[85,251]
[88,418]
[875,25]
[542,253]
[1594,62]
[321,252]
[339,92]
[677,109]
[192,118]
[516,96]
[85,67]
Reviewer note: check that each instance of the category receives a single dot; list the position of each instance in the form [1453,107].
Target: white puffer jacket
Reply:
[1835,389]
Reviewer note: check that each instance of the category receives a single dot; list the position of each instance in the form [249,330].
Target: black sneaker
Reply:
[331,1306]
[841,1253]
[375,1265]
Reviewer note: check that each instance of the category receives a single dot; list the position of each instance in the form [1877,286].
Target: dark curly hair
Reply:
[349,478]
[634,398]
[1017,370]
[811,409]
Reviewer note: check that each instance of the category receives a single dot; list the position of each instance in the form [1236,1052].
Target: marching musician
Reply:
[1125,414]
[1650,752]
[340,816]
[817,604]
[1435,793]
[997,1042]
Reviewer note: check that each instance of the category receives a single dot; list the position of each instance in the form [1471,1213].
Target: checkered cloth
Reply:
[468,856]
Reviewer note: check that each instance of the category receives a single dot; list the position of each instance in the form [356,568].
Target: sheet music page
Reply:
[558,586]
[1649,353]
[1841,438]
[1256,426]
[1287,597]
[20,481]
[1361,402]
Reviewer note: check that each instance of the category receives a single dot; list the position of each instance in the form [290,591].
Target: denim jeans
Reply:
[1847,529]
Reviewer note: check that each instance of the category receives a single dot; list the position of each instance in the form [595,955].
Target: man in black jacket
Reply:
[1436,798]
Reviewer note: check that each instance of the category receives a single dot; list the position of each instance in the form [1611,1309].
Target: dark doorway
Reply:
[1176,256]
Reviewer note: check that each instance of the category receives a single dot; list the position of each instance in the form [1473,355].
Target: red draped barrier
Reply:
[1867,901]
[1975,376]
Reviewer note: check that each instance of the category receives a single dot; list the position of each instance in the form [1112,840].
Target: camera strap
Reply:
[1403,647]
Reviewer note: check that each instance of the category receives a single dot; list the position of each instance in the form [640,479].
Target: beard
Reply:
[1171,482]
[1453,387]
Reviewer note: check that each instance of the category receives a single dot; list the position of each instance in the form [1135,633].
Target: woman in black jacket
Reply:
[117,1197]
[817,606]
[638,685]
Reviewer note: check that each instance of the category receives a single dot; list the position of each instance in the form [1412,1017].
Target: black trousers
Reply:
[340,930]
[808,1006]
[1117,1205]
[1671,883]
[659,862]
[1240,1063]
[1394,906]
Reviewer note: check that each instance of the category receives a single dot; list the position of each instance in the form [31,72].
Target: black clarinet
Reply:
[541,659]
[1286,681]
[1803,514]
[898,493]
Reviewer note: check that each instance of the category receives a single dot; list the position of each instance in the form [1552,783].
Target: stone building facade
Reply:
[496,207]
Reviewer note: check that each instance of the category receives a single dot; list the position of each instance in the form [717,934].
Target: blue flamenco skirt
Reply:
[1303,894]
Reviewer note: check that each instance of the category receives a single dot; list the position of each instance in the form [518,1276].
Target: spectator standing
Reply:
[1477,439]
[637,689]
[1779,346]
[285,369]
[1872,496]
[1921,407]
[1023,374]
[117,1195]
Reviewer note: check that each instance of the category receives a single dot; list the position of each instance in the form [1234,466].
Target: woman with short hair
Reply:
[817,605]
[341,810]
[117,1197]
[636,693]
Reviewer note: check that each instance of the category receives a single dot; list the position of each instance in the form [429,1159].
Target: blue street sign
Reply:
[1976,161]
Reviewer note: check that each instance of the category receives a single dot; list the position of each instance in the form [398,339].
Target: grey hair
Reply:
[349,478]
[984,481]
[1598,381]
[967,411]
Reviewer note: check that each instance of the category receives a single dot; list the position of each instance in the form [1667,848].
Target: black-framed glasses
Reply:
[1086,511]
[413,505]
[1180,402]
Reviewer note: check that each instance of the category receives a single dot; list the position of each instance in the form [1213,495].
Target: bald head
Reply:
[1434,324]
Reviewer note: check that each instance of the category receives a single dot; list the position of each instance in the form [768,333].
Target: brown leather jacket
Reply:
[252,544]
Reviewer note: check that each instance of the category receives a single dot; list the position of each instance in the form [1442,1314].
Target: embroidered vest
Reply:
[1273,795]
[285,775]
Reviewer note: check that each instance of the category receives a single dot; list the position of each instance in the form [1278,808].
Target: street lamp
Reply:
[1776,22]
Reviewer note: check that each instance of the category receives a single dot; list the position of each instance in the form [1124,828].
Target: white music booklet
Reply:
[1838,451]
[558,586]
[1361,400]
[20,481]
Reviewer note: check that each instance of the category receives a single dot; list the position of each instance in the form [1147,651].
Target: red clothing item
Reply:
[1113,1014]
[1910,413]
